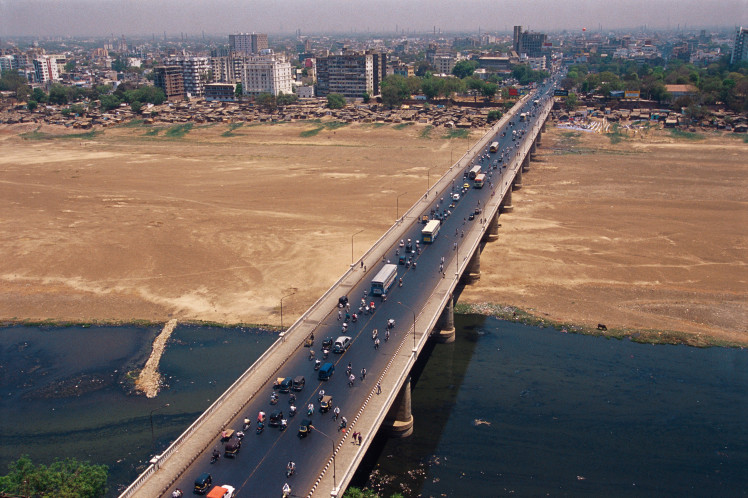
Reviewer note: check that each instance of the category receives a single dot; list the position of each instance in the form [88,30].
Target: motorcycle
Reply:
[292,411]
[290,470]
[260,427]
[247,423]
[215,456]
[273,399]
[317,364]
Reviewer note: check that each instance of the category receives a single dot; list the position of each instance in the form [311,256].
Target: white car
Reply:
[455,197]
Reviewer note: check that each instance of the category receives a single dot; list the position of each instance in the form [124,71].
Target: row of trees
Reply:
[718,82]
[64,479]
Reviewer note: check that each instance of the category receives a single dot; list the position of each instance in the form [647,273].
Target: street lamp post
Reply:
[352,243]
[151,417]
[284,297]
[397,206]
[414,325]
[334,485]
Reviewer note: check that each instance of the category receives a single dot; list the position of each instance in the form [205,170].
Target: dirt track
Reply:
[122,226]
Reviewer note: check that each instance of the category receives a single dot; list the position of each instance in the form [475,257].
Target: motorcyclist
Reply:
[292,410]
[177,493]
[292,398]
[321,394]
[286,490]
[310,409]
[247,423]
[291,467]
[284,424]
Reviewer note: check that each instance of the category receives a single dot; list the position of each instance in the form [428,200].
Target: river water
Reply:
[506,409]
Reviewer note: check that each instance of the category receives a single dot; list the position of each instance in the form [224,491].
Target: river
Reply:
[506,409]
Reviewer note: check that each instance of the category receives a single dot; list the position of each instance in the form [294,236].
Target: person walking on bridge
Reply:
[363,373]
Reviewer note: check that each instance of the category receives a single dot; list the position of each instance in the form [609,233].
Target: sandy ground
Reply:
[648,233]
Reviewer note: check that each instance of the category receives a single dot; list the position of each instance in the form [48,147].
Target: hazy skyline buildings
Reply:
[146,17]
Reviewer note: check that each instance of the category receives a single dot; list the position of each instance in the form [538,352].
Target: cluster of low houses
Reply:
[447,116]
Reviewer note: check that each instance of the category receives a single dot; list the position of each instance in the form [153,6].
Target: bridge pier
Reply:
[446,324]
[526,164]
[542,128]
[517,182]
[473,267]
[492,232]
[399,419]
[533,147]
[506,202]
[538,139]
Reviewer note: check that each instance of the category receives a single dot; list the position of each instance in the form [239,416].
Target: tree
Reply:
[452,86]
[570,103]
[239,90]
[463,69]
[109,102]
[394,90]
[366,97]
[494,116]
[60,94]
[63,478]
[286,98]
[489,90]
[431,87]
[70,66]
[39,95]
[423,68]
[335,101]
[136,106]
[267,100]
[31,105]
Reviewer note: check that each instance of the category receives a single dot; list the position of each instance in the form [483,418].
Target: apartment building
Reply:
[45,69]
[248,43]
[351,74]
[528,43]
[170,80]
[195,73]
[266,74]
[228,69]
[740,46]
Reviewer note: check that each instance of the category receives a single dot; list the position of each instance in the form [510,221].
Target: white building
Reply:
[45,69]
[444,64]
[740,46]
[305,92]
[266,74]
[195,72]
[8,63]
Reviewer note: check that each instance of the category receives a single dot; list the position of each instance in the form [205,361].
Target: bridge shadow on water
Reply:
[398,465]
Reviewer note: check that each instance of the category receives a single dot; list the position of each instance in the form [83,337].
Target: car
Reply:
[305,428]
[472,216]
[325,404]
[298,383]
[455,197]
[222,491]
[466,186]
[341,344]
[326,371]
[203,483]
[283,384]
[275,418]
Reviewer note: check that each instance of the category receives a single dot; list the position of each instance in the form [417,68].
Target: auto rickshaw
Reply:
[325,404]
[227,434]
[232,448]
[298,383]
[401,260]
[203,483]
[275,418]
[305,428]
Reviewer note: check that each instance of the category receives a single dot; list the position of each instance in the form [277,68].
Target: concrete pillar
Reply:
[539,138]
[493,226]
[542,128]
[506,202]
[526,163]
[517,183]
[473,267]
[399,419]
[532,147]
[446,323]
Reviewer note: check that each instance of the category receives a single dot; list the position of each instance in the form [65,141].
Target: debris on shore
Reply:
[149,380]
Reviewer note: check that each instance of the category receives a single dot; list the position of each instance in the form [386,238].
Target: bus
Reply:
[494,146]
[475,171]
[430,231]
[523,116]
[479,181]
[384,280]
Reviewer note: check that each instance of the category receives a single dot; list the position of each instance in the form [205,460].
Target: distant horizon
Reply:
[146,18]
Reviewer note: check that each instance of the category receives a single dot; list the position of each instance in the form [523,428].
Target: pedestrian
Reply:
[386,335]
[363,373]
[311,354]
[379,388]
[359,439]
[351,380]
[376,343]
[362,264]
[335,413]
[340,315]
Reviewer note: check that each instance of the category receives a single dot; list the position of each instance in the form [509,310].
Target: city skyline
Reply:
[151,17]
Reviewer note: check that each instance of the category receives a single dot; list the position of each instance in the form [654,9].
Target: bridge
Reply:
[422,309]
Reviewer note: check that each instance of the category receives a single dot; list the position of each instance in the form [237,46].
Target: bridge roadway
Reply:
[327,459]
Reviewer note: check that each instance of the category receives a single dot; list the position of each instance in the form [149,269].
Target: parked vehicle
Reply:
[341,344]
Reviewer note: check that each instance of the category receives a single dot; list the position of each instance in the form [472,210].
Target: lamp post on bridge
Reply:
[282,298]
[397,206]
[334,485]
[151,418]
[352,243]
[415,348]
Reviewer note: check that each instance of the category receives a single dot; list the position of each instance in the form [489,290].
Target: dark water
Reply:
[509,409]
[61,391]
[506,409]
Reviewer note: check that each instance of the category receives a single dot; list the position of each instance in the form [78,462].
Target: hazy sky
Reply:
[144,17]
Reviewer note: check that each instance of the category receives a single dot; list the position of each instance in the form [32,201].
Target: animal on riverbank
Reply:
[601,326]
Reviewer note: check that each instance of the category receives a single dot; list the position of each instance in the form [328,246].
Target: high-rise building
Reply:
[195,71]
[170,80]
[228,69]
[266,74]
[248,43]
[516,39]
[351,74]
[528,43]
[740,47]
[45,69]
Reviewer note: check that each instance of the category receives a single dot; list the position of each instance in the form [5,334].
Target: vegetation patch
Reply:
[456,133]
[312,132]
[688,135]
[644,336]
[403,125]
[152,133]
[616,136]
[426,132]
[135,123]
[334,125]
[38,135]
[232,127]
[178,131]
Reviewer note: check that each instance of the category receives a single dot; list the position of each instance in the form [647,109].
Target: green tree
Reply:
[489,90]
[39,95]
[463,69]
[394,90]
[335,101]
[366,97]
[423,68]
[570,103]
[452,86]
[267,100]
[494,116]
[239,90]
[109,102]
[31,105]
[136,106]
[119,64]
[63,478]
[286,98]
[60,95]
[431,87]
[70,66]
